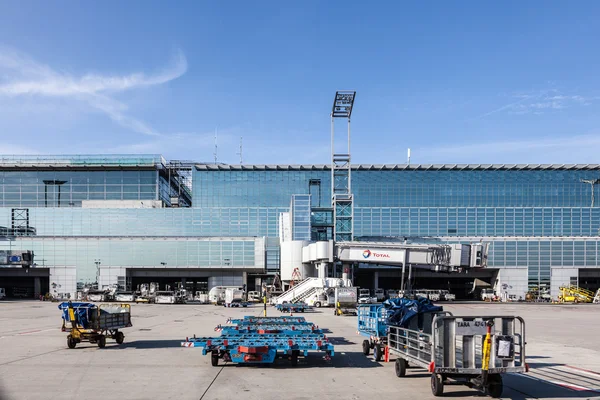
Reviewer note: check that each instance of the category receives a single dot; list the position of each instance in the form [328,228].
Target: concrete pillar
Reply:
[322,273]
[376,279]
[245,278]
[37,286]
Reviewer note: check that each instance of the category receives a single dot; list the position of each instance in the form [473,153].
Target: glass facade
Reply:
[537,217]
[69,188]
[499,203]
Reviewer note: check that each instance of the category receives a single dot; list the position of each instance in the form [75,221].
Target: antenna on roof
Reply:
[215,153]
[240,153]
[408,161]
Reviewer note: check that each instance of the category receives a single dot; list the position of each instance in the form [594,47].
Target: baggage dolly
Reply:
[94,323]
[372,323]
[474,351]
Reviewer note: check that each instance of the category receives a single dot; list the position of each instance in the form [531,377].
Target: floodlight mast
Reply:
[341,189]
[591,182]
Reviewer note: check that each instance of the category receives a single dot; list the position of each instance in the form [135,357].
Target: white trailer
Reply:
[164,297]
[216,295]
[234,297]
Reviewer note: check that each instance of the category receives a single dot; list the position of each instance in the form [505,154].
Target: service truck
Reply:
[234,297]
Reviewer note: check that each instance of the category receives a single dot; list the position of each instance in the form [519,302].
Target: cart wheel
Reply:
[294,358]
[366,347]
[71,343]
[101,341]
[318,304]
[377,352]
[214,360]
[119,337]
[495,386]
[437,385]
[400,367]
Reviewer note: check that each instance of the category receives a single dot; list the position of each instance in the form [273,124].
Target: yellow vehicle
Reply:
[94,323]
[574,294]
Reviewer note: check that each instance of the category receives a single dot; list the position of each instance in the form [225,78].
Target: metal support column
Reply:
[341,190]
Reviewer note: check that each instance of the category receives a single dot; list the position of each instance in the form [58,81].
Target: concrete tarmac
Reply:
[563,353]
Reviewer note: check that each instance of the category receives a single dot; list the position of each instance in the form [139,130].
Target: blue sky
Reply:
[460,82]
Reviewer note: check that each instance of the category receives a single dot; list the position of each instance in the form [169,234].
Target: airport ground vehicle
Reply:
[216,295]
[345,301]
[447,296]
[574,294]
[260,340]
[473,351]
[292,307]
[372,323]
[379,295]
[88,322]
[254,296]
[124,296]
[165,297]
[96,295]
[234,298]
[201,297]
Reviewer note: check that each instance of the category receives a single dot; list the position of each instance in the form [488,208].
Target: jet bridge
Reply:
[436,257]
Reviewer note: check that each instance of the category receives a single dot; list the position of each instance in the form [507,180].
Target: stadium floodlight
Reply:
[591,182]
[343,103]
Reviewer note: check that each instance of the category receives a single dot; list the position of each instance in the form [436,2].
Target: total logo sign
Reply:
[369,254]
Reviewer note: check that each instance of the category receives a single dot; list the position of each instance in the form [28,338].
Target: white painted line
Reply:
[583,371]
[565,385]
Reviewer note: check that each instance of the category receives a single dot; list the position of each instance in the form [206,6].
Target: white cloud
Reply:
[26,77]
[566,149]
[540,102]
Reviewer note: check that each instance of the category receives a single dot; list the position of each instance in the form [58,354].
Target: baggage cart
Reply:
[372,323]
[472,351]
[88,322]
[259,340]
[292,307]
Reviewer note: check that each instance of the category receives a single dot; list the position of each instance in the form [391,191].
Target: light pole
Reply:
[97,262]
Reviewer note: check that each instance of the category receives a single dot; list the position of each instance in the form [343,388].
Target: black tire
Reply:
[377,352]
[366,345]
[71,342]
[495,386]
[119,337]
[318,304]
[214,360]
[437,385]
[101,341]
[400,367]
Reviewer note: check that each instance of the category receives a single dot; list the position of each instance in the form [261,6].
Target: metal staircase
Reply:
[597,297]
[301,291]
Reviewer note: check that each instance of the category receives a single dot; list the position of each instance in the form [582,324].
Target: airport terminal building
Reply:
[140,218]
